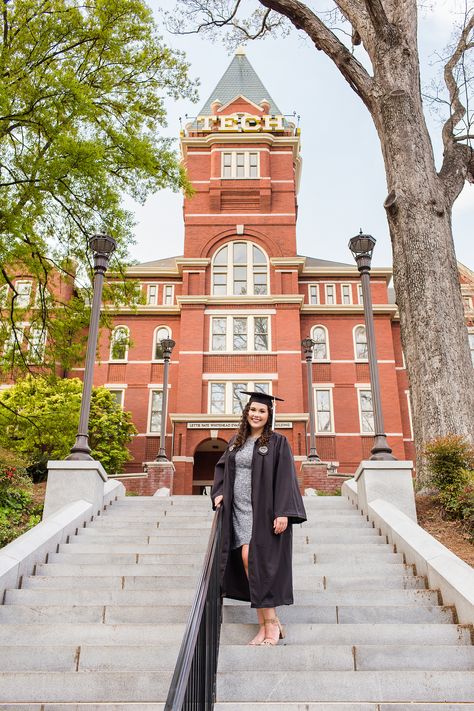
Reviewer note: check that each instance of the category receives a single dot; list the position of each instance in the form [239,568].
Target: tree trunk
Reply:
[426,277]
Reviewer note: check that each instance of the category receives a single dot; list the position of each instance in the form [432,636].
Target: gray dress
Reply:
[242,506]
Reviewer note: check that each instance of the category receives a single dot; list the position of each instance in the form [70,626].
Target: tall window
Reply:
[119,343]
[324,417]
[321,349]
[313,294]
[360,343]
[152,293]
[239,333]
[366,410]
[160,333]
[471,345]
[23,289]
[225,397]
[168,295]
[155,411]
[239,268]
[360,295]
[36,345]
[240,164]
[3,295]
[330,294]
[346,294]
[118,395]
[14,339]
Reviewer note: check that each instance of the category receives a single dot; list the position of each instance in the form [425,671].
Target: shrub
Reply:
[18,511]
[451,465]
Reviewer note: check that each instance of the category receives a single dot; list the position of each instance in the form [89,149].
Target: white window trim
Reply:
[359,388]
[229,334]
[20,330]
[120,389]
[233,170]
[470,332]
[153,359]
[326,286]
[356,359]
[30,294]
[165,286]
[360,298]
[410,417]
[155,388]
[149,287]
[30,345]
[328,352]
[228,393]
[119,360]
[250,268]
[4,289]
[342,294]
[316,286]
[317,387]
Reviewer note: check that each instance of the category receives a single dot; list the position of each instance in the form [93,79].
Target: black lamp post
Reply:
[362,247]
[102,247]
[308,345]
[167,345]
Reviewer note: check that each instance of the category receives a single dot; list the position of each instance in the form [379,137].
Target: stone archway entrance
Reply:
[206,456]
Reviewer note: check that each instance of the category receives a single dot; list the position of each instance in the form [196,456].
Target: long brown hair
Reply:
[244,428]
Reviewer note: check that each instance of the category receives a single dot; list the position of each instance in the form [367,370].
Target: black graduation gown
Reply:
[275,493]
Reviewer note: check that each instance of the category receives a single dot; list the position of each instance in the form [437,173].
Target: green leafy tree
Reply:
[39,418]
[81,108]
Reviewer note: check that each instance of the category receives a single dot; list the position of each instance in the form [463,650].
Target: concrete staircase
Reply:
[364,634]
[102,620]
[100,623]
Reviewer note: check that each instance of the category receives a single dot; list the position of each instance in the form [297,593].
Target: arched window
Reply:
[119,343]
[360,343]
[319,334]
[160,333]
[239,269]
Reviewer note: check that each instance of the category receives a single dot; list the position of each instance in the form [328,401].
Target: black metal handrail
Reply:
[194,678]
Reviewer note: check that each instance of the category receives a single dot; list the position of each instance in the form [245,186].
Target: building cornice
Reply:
[352,272]
[241,300]
[332,309]
[203,417]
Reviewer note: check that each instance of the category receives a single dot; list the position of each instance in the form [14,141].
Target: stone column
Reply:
[160,478]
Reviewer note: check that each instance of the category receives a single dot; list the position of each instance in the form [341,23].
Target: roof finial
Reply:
[240,51]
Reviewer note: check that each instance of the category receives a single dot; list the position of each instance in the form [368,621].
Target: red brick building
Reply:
[239,302]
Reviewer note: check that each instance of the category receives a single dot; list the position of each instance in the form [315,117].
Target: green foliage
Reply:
[18,512]
[39,418]
[451,465]
[81,110]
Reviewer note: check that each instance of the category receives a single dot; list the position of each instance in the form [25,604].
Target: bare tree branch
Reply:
[324,39]
[457,108]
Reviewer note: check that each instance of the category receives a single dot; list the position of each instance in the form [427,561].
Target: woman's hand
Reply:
[280,524]
[218,501]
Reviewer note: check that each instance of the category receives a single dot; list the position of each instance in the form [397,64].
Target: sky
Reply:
[343,183]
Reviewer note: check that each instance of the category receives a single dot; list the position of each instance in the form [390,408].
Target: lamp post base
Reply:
[80,452]
[161,456]
[381,452]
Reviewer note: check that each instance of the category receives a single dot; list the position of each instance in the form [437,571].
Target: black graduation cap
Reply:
[263,399]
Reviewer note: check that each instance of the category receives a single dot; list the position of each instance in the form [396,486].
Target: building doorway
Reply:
[206,456]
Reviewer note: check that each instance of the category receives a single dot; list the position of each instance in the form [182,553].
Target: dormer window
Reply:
[240,164]
[240,269]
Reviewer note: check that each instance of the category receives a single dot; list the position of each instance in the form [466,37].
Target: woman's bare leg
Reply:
[260,636]
[272,629]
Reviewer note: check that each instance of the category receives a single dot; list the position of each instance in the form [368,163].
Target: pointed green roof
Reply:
[239,79]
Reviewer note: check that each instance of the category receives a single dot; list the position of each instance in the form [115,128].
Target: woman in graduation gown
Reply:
[255,482]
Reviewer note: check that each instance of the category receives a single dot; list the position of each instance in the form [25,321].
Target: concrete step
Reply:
[77,545]
[63,633]
[118,582]
[375,686]
[368,633]
[106,614]
[347,658]
[330,706]
[333,522]
[103,536]
[404,581]
[170,558]
[144,706]
[349,614]
[60,570]
[76,596]
[86,686]
[351,568]
[89,658]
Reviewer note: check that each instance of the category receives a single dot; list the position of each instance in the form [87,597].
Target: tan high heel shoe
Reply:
[252,642]
[271,641]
